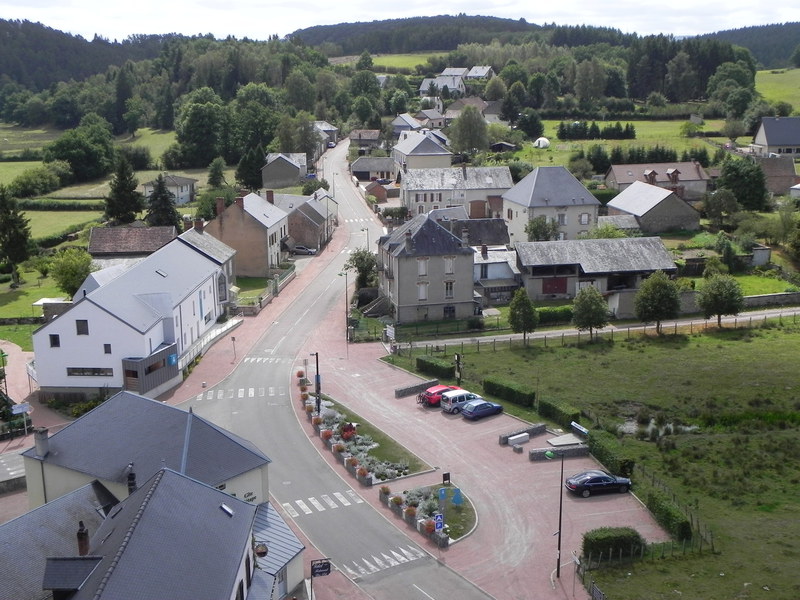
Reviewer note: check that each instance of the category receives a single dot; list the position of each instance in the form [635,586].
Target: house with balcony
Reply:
[425,273]
[256,229]
[477,189]
[140,328]
[555,194]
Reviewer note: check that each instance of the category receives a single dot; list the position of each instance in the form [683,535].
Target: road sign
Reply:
[320,567]
[20,408]
[438,521]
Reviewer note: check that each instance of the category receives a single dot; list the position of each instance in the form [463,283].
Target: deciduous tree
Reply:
[364,263]
[15,233]
[70,268]
[589,310]
[541,229]
[720,295]
[522,315]
[657,300]
[468,131]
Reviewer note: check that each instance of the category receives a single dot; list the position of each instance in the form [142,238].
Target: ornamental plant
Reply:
[352,461]
[362,472]
[384,489]
[339,447]
[301,374]
[411,511]
[397,500]
[326,434]
[430,526]
[316,420]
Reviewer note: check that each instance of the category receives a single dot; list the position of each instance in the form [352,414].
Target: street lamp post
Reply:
[551,455]
[317,382]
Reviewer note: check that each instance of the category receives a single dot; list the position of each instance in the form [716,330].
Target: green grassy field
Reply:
[402,61]
[738,469]
[648,134]
[45,223]
[777,85]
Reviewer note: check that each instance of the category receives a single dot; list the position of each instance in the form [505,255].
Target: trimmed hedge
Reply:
[559,412]
[609,540]
[669,515]
[61,205]
[513,392]
[607,449]
[437,367]
[554,314]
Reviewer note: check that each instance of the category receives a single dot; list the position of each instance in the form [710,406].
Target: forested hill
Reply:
[771,45]
[416,34]
[36,56]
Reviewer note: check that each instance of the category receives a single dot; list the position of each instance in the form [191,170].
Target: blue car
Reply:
[475,409]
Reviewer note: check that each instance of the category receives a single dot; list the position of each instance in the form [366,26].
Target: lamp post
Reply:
[317,382]
[551,455]
[366,230]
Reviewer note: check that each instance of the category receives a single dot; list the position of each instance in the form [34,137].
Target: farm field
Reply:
[736,466]
[402,61]
[780,85]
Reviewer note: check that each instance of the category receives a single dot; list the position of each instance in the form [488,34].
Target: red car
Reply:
[433,395]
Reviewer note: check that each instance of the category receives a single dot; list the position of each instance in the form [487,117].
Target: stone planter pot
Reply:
[409,518]
[351,469]
[366,481]
[383,498]
[396,508]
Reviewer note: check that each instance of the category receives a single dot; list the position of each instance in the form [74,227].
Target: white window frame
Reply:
[422,291]
[422,267]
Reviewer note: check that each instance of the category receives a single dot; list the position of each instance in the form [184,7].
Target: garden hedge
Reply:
[443,369]
[607,449]
[554,314]
[669,515]
[513,392]
[610,540]
[559,412]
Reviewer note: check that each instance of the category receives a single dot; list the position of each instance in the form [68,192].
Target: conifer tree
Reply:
[161,206]
[124,201]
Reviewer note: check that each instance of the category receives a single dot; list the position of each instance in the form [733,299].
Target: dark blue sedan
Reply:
[596,481]
[475,409]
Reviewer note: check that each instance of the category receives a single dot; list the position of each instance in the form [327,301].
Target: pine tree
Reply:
[248,173]
[161,206]
[123,202]
[15,233]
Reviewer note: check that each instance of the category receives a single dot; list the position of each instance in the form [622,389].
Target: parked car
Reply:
[475,409]
[596,481]
[454,400]
[433,395]
[304,250]
[331,144]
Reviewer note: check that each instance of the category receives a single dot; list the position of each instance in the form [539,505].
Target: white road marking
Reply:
[316,504]
[356,498]
[290,509]
[303,507]
[327,500]
[340,497]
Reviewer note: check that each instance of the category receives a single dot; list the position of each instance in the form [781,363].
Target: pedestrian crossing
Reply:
[386,560]
[242,393]
[323,503]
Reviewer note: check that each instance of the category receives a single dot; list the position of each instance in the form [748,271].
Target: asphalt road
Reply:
[254,402]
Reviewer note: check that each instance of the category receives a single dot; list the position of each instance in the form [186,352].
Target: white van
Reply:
[454,400]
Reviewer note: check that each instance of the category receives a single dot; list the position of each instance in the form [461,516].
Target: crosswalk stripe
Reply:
[340,497]
[392,562]
[316,504]
[199,397]
[356,498]
[210,395]
[290,509]
[350,573]
[399,557]
[220,394]
[372,568]
[328,501]
[303,506]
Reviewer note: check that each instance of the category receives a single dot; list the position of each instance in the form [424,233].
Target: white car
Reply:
[304,250]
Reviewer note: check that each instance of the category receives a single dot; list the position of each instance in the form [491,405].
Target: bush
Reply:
[669,515]
[554,314]
[475,323]
[384,489]
[558,412]
[396,500]
[436,367]
[610,540]
[607,449]
[513,392]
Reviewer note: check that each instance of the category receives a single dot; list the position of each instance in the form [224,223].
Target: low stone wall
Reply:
[535,429]
[415,389]
[567,451]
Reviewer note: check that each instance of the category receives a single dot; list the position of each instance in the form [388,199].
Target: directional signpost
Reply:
[319,568]
[438,521]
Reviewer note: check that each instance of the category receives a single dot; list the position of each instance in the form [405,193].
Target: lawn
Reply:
[11,170]
[736,463]
[14,139]
[780,85]
[402,61]
[648,134]
[45,223]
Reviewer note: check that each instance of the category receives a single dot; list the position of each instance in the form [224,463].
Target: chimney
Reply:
[83,539]
[465,237]
[408,241]
[240,202]
[198,225]
[220,207]
[464,170]
[484,251]
[41,441]
[271,196]
[131,482]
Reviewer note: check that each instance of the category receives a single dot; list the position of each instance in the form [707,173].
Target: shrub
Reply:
[362,472]
[396,500]
[326,434]
[316,420]
[309,408]
[339,447]
[608,540]
[304,395]
[554,314]
[513,392]
[559,412]
[352,461]
[411,511]
[475,323]
[436,367]
[384,489]
[607,449]
[669,515]
[303,387]
[430,526]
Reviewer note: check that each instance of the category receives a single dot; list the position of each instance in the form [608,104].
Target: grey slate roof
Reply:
[781,131]
[207,245]
[599,256]
[262,211]
[478,71]
[105,241]
[48,530]
[550,186]
[623,222]
[418,144]
[129,428]
[428,238]
[173,180]
[458,178]
[639,198]
[490,232]
[171,539]
[373,163]
[405,119]
[298,159]
[687,171]
[283,544]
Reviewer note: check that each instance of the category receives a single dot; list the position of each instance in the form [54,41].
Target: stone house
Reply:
[656,209]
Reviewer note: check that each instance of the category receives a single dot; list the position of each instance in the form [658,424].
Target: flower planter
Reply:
[410,517]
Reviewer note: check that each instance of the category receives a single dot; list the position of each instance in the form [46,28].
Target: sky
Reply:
[258,19]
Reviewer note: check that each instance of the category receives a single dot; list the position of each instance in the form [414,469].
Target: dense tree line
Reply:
[771,45]
[581,130]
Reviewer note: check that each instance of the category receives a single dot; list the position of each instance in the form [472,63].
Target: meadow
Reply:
[780,85]
[714,424]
